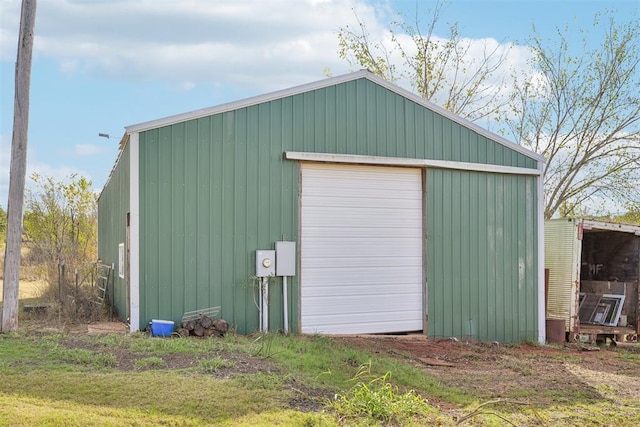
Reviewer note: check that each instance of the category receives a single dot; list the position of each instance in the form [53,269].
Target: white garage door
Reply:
[361,249]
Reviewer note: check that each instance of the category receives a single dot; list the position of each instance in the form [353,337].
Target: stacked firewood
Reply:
[203,326]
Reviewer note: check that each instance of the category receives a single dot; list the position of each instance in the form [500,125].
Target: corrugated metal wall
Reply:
[562,251]
[113,206]
[215,189]
[481,255]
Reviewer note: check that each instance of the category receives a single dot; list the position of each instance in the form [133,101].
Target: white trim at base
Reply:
[542,315]
[408,162]
[134,239]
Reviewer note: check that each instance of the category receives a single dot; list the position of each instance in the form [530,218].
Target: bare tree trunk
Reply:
[18,167]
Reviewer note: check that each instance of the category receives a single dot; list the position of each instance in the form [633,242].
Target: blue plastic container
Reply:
[161,328]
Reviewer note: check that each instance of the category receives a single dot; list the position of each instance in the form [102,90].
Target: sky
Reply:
[101,65]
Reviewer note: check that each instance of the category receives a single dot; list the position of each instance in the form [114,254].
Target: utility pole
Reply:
[17,172]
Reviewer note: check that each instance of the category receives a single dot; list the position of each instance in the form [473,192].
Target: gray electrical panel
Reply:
[265,263]
[285,258]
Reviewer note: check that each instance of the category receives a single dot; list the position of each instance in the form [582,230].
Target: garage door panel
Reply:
[356,274]
[365,263]
[366,303]
[350,307]
[353,324]
[357,197]
[361,249]
[355,288]
[355,216]
[330,232]
[389,279]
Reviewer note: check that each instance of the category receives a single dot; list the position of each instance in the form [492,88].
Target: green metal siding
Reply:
[481,255]
[113,206]
[215,189]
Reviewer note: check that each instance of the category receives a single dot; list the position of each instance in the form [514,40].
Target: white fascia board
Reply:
[134,233]
[408,162]
[235,105]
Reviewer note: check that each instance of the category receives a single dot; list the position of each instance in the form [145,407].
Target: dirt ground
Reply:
[541,375]
[544,375]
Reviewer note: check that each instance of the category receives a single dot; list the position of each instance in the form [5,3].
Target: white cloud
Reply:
[89,149]
[262,45]
[59,173]
[267,45]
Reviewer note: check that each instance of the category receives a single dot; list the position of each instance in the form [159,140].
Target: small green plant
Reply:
[210,366]
[376,399]
[263,345]
[84,357]
[152,362]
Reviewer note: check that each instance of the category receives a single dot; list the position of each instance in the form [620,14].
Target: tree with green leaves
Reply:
[632,216]
[3,225]
[444,70]
[60,225]
[581,111]
[578,105]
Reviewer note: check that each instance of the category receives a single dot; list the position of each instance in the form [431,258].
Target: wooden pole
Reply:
[18,168]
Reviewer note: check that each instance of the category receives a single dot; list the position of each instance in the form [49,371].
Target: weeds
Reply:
[482,410]
[376,399]
[79,356]
[152,362]
[210,366]
[263,346]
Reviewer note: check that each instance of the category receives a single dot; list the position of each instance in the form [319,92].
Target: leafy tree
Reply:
[582,112]
[3,225]
[442,70]
[632,216]
[60,224]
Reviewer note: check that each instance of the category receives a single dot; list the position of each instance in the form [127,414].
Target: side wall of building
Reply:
[113,206]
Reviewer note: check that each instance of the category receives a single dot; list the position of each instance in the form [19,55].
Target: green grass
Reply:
[332,365]
[628,355]
[44,381]
[152,362]
[375,400]
[209,366]
[78,386]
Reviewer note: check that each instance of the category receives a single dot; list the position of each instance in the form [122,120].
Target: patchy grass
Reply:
[152,362]
[210,366]
[120,379]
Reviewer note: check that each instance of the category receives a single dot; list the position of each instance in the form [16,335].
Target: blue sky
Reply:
[101,65]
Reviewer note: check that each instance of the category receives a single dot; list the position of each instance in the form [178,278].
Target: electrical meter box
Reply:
[285,258]
[265,263]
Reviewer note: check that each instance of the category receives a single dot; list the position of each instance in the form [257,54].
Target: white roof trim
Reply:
[243,103]
[140,127]
[408,162]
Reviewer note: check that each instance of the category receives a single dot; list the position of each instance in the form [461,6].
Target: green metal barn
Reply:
[404,216]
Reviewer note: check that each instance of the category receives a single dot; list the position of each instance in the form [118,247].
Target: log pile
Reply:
[203,326]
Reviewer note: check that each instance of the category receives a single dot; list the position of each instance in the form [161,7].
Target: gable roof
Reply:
[332,81]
